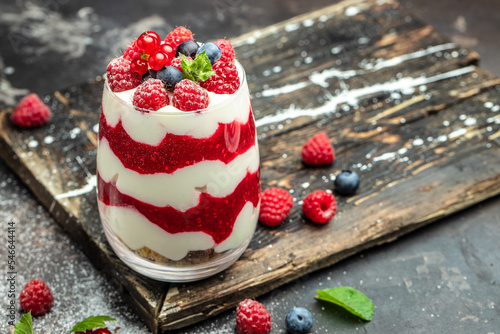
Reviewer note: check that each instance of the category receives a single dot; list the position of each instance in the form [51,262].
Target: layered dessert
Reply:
[178,159]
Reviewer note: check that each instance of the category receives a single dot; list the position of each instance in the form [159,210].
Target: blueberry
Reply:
[347,182]
[298,321]
[170,76]
[187,48]
[149,74]
[212,50]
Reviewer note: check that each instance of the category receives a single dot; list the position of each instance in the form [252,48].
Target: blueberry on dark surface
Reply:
[347,182]
[170,76]
[187,48]
[212,50]
[149,74]
[298,321]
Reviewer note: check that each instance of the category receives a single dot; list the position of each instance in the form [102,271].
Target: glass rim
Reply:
[176,112]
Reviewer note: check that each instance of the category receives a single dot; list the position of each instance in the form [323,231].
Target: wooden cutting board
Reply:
[406,109]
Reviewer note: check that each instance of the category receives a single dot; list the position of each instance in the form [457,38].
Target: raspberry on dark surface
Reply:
[319,206]
[252,318]
[36,297]
[31,112]
[275,205]
[318,151]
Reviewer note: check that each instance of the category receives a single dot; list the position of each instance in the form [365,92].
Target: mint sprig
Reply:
[198,69]
[350,299]
[91,323]
[25,325]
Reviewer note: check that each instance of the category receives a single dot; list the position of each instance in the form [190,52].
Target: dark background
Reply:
[442,278]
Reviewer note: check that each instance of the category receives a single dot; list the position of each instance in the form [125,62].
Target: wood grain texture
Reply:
[405,108]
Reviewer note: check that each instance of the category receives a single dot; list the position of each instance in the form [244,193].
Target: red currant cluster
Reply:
[153,53]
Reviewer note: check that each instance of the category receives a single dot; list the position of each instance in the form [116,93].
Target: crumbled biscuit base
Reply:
[192,258]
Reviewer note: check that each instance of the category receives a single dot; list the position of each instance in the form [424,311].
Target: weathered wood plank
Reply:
[406,109]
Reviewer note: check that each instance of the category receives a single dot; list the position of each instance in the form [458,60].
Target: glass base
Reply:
[172,273]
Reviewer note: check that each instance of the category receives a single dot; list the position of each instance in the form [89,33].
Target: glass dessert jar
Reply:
[178,192]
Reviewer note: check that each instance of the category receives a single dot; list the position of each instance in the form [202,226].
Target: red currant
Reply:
[157,60]
[139,67]
[148,42]
[168,50]
[155,34]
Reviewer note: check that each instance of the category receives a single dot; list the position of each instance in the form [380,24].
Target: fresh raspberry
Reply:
[318,151]
[119,76]
[275,204]
[252,318]
[224,81]
[177,36]
[101,331]
[189,96]
[36,297]
[319,206]
[30,112]
[132,51]
[176,62]
[227,51]
[151,95]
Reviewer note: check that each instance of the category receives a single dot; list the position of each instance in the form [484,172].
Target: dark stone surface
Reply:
[440,279]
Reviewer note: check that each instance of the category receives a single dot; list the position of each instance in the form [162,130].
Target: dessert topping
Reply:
[170,76]
[224,81]
[227,51]
[151,95]
[189,96]
[120,77]
[187,48]
[210,66]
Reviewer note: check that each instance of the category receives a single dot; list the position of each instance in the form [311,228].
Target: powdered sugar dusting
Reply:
[44,251]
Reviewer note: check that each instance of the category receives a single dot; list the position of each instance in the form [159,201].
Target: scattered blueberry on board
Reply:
[347,182]
[298,321]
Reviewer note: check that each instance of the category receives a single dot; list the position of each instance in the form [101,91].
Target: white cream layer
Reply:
[151,128]
[182,188]
[136,232]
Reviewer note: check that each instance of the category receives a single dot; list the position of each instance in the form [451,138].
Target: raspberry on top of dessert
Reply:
[209,67]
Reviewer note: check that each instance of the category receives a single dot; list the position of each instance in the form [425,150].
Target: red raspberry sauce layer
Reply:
[228,141]
[213,215]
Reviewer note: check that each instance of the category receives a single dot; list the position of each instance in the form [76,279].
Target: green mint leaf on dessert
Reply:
[25,325]
[91,323]
[198,69]
[350,299]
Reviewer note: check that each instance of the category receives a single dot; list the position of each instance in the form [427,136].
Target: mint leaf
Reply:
[350,299]
[25,325]
[91,323]
[198,69]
